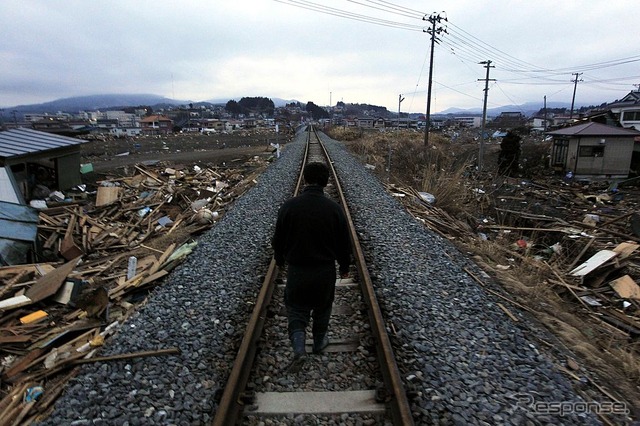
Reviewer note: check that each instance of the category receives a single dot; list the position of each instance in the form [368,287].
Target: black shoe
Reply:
[319,343]
[299,351]
[297,363]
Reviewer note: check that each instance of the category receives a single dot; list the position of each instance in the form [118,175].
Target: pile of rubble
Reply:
[107,249]
[578,240]
[581,239]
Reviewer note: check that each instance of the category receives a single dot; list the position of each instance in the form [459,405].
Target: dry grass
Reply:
[446,170]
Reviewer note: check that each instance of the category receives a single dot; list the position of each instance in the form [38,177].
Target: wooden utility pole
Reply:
[575,85]
[545,114]
[400,99]
[433,31]
[488,66]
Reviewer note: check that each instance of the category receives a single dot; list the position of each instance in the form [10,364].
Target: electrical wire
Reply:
[466,47]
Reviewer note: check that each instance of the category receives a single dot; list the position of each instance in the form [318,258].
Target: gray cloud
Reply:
[201,50]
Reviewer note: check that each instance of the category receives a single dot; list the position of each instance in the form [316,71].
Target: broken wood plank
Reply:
[626,287]
[595,261]
[625,249]
[15,302]
[142,354]
[49,284]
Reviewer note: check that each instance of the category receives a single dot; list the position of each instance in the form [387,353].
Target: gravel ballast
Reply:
[463,359]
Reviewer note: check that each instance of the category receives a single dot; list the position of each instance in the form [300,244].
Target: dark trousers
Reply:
[309,296]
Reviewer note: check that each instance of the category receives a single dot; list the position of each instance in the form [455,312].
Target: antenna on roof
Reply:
[637,87]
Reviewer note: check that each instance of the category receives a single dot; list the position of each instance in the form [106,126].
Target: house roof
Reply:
[23,141]
[630,100]
[594,129]
[155,117]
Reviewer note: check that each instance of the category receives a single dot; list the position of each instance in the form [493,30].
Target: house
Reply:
[156,125]
[539,124]
[509,120]
[123,132]
[366,122]
[627,110]
[32,160]
[466,121]
[594,150]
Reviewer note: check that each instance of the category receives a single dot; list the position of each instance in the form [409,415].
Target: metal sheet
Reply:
[23,141]
[8,190]
[18,222]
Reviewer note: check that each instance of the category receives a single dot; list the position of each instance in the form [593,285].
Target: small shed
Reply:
[593,150]
[32,159]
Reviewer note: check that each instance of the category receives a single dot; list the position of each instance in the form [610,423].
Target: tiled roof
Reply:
[594,129]
[23,141]
[152,118]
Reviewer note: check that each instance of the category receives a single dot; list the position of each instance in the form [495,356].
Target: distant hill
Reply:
[104,102]
[277,102]
[527,109]
[95,102]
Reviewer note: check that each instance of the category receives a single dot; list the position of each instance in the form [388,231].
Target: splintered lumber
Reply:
[595,261]
[49,284]
[20,365]
[625,249]
[626,287]
[68,248]
[143,354]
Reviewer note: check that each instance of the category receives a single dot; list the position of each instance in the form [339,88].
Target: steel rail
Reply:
[230,405]
[400,409]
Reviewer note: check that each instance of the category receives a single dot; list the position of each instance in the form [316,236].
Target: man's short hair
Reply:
[316,174]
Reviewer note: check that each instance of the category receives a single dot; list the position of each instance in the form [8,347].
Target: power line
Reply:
[466,47]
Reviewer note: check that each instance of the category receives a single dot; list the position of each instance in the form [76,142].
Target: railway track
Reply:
[462,358]
[355,377]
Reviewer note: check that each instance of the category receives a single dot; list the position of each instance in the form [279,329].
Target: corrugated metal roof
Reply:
[18,222]
[23,141]
[594,129]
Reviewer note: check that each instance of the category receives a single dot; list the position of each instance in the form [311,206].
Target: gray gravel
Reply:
[465,361]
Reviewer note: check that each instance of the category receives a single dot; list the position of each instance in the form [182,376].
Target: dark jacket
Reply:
[311,230]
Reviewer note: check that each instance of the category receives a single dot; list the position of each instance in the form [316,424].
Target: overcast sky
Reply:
[322,51]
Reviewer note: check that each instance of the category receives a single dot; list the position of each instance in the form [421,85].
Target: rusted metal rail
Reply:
[230,407]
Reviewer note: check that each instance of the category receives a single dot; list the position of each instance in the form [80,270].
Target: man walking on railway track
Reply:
[311,235]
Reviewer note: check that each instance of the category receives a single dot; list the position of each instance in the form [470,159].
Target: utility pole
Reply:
[488,66]
[400,99]
[433,31]
[545,114]
[575,85]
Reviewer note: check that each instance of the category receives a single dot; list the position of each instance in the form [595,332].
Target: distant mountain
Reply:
[528,108]
[96,102]
[104,102]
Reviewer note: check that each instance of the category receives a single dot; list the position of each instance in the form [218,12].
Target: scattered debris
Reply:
[104,251]
[584,246]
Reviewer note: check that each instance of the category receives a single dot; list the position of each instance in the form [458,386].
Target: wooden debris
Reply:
[626,287]
[146,215]
[594,262]
[51,282]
